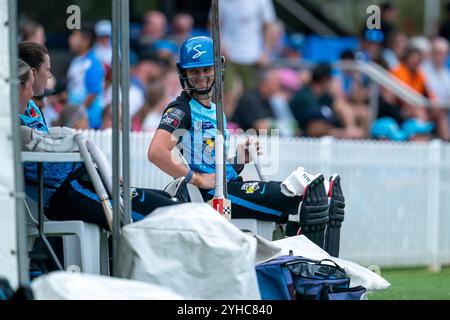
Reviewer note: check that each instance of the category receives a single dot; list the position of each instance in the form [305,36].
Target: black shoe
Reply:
[337,205]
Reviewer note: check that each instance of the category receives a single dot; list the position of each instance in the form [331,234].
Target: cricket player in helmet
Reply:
[189,122]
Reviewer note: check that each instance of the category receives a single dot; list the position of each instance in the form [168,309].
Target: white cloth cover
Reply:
[360,276]
[58,139]
[75,286]
[296,182]
[192,250]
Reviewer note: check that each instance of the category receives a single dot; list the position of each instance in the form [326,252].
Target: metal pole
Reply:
[125,85]
[116,133]
[18,171]
[218,85]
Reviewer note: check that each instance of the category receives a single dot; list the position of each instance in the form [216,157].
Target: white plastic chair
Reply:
[261,228]
[84,244]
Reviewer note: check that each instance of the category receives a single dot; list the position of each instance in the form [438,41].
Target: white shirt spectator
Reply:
[438,81]
[242,28]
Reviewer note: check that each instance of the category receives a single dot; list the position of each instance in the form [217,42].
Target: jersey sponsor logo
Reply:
[175,113]
[208,150]
[250,187]
[199,53]
[207,125]
[263,189]
[170,121]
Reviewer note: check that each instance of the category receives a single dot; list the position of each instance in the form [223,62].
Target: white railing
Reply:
[397,203]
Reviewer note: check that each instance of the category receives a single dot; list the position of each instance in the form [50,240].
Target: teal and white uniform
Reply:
[195,126]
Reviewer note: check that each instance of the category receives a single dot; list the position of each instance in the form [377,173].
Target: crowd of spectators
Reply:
[267,85]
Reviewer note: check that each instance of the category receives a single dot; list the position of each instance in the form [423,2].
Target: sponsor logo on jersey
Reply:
[170,121]
[250,187]
[175,113]
[207,125]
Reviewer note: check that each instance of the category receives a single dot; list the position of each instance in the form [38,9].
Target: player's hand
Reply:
[243,151]
[204,180]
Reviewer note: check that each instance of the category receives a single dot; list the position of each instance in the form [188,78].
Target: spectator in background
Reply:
[243,27]
[33,32]
[436,72]
[316,112]
[157,100]
[154,25]
[147,70]
[275,41]
[85,77]
[388,20]
[350,90]
[423,44]
[410,73]
[102,46]
[444,30]
[73,117]
[182,26]
[284,120]
[254,110]
[371,45]
[395,46]
[166,50]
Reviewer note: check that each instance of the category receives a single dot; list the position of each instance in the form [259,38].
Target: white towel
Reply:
[295,184]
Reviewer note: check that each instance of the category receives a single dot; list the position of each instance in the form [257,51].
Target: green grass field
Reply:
[415,284]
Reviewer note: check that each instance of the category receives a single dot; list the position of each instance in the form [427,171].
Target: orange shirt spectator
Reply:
[409,72]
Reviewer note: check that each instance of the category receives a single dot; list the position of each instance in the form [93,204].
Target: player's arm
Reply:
[173,123]
[160,154]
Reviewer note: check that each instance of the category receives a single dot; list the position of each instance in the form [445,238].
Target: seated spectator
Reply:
[396,44]
[371,45]
[317,113]
[33,32]
[147,70]
[182,26]
[85,77]
[436,71]
[73,117]
[154,24]
[423,44]
[253,110]
[350,90]
[411,74]
[289,84]
[166,50]
[102,46]
[157,100]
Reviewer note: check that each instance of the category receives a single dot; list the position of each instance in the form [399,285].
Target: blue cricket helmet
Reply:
[196,52]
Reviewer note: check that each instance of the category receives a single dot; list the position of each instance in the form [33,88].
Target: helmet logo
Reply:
[199,53]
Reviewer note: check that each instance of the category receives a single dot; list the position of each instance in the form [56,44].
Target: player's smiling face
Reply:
[200,78]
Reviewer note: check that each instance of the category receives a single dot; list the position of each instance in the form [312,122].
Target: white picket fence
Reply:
[396,193]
